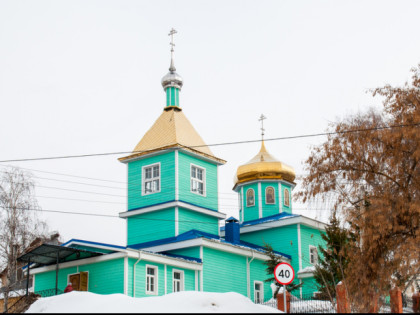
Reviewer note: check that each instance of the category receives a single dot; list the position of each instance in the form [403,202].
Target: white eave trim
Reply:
[283,222]
[173,204]
[114,249]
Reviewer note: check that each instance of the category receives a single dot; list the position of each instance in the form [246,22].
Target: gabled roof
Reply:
[172,129]
[194,234]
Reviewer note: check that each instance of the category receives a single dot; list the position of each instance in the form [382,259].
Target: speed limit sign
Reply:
[284,273]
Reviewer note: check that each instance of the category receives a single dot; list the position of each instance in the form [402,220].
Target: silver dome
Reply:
[172,79]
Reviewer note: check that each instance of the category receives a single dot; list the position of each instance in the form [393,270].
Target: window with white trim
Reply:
[258,292]
[178,280]
[151,280]
[313,255]
[286,195]
[151,179]
[198,180]
[269,196]
[250,197]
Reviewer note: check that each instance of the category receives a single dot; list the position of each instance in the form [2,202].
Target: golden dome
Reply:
[264,166]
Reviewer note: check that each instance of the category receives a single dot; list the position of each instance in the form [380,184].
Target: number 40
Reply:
[283,273]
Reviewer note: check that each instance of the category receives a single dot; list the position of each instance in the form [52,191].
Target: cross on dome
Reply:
[262,118]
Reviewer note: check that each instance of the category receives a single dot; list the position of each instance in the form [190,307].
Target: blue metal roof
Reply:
[270,218]
[93,243]
[194,234]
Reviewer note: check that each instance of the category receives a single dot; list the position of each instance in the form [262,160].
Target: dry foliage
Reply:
[375,177]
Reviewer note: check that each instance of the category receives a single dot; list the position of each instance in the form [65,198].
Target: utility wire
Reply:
[215,144]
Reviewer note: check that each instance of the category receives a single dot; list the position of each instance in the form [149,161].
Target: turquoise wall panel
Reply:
[251,213]
[188,220]
[309,287]
[258,273]
[270,209]
[309,237]
[224,272]
[151,226]
[104,277]
[167,181]
[185,194]
[190,252]
[283,239]
[285,208]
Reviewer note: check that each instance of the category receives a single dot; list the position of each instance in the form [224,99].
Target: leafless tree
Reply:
[19,224]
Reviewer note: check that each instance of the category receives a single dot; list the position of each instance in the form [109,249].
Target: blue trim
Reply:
[181,256]
[194,234]
[93,243]
[162,203]
[271,218]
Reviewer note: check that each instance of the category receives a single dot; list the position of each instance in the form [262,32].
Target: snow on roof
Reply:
[271,218]
[90,243]
[307,269]
[179,302]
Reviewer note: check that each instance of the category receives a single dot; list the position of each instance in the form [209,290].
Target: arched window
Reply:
[250,197]
[269,195]
[286,197]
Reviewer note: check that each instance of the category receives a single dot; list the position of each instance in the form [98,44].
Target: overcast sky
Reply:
[80,77]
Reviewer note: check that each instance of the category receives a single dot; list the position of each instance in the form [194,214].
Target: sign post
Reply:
[284,274]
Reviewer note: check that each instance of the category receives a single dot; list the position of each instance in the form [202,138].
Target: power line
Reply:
[215,144]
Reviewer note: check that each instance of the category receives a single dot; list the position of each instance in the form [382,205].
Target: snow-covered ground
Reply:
[180,302]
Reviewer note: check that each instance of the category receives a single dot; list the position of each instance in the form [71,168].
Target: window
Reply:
[286,195]
[258,292]
[178,280]
[151,179]
[313,255]
[151,280]
[250,197]
[269,195]
[198,179]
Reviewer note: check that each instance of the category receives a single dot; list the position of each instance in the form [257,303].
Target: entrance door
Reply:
[75,281]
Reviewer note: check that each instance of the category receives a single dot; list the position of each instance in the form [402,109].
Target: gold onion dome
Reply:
[264,166]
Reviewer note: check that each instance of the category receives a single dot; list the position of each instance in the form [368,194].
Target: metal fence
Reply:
[49,292]
[305,304]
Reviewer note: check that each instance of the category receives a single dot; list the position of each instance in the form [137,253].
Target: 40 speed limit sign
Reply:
[284,273]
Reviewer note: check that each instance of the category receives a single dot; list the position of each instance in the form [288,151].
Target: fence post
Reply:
[280,302]
[373,303]
[416,302]
[396,300]
[343,305]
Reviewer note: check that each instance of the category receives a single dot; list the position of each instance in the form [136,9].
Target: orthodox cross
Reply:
[262,117]
[171,33]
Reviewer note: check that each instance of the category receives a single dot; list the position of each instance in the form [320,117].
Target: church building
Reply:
[174,238]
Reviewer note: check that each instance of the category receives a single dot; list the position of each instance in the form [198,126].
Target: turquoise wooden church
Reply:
[174,241]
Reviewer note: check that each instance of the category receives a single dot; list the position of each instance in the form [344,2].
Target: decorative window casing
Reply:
[270,196]
[286,197]
[250,197]
[313,255]
[177,280]
[198,180]
[151,280]
[258,292]
[151,179]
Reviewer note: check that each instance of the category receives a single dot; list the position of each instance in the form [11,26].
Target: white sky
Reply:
[79,77]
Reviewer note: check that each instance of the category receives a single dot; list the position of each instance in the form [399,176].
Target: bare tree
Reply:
[19,224]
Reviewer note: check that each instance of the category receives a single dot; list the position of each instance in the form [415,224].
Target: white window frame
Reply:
[274,196]
[203,181]
[143,179]
[286,201]
[156,278]
[261,292]
[310,255]
[246,197]
[181,286]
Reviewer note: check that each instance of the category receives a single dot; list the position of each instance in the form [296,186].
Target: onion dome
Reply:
[264,166]
[172,79]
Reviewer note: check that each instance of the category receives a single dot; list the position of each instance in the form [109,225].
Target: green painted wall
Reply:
[309,236]
[287,209]
[224,272]
[283,239]
[190,252]
[104,277]
[258,273]
[251,213]
[151,226]
[189,278]
[188,220]
[184,173]
[309,287]
[270,209]
[167,181]
[172,96]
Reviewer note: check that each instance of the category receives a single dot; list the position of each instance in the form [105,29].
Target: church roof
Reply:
[172,129]
[264,166]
